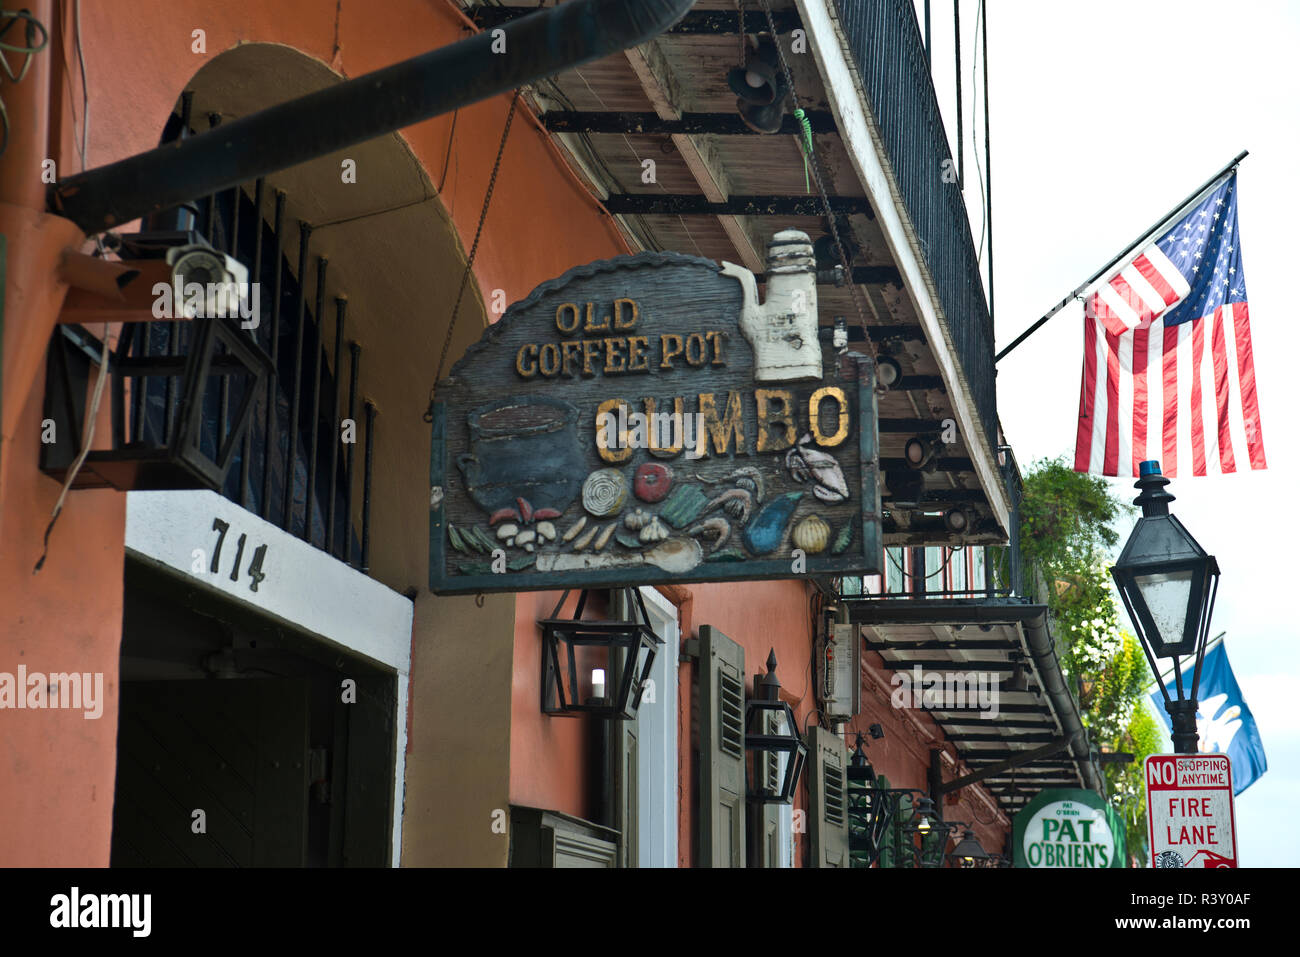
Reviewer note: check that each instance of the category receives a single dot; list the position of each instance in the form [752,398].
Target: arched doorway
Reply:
[267,701]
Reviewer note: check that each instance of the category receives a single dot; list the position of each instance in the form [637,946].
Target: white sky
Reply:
[1104,115]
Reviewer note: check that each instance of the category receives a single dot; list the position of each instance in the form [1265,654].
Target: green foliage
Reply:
[1066,540]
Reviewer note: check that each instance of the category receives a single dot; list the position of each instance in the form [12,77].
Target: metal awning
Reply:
[1036,740]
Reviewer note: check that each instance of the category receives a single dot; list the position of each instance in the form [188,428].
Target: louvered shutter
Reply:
[828,795]
[720,697]
[623,760]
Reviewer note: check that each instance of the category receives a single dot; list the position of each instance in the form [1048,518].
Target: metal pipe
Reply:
[365,496]
[214,120]
[1042,649]
[272,380]
[245,466]
[295,397]
[1195,195]
[988,162]
[313,445]
[519,53]
[961,149]
[354,350]
[340,316]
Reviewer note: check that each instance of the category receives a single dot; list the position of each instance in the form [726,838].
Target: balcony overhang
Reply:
[654,136]
[1036,739]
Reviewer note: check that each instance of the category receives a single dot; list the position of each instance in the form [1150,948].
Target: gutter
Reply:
[1043,652]
[536,46]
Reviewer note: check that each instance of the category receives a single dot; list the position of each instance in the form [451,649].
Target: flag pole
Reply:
[1127,249]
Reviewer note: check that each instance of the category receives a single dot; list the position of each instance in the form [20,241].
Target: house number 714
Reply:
[254,566]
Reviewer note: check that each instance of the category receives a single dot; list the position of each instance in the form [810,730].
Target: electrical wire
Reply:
[92,417]
[979,173]
[28,50]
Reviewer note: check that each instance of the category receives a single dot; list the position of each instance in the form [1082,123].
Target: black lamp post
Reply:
[596,667]
[1168,584]
[774,750]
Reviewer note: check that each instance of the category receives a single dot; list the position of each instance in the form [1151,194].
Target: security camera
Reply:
[222,282]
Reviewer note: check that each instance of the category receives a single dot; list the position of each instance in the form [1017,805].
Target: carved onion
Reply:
[604,492]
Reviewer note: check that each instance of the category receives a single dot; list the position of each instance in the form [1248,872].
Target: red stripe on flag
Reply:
[1197,418]
[1169,433]
[1139,441]
[1246,374]
[1087,400]
[1219,356]
[1136,302]
[1110,462]
[1158,282]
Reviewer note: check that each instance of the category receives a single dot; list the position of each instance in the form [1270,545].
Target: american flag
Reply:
[1168,369]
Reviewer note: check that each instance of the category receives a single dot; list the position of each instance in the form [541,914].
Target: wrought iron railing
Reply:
[296,463]
[890,53]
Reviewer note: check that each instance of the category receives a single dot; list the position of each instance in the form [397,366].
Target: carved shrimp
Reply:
[748,477]
[737,502]
[716,526]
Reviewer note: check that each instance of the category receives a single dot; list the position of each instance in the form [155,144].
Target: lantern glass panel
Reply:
[1167,596]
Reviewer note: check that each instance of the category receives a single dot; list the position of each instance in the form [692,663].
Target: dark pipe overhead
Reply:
[536,46]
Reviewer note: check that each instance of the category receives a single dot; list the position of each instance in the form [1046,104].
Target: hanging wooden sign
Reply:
[646,419]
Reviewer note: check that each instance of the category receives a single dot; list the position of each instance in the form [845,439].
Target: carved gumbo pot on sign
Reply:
[524,459]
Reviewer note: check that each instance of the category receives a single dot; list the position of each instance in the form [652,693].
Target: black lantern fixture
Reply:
[1168,584]
[774,749]
[969,852]
[197,437]
[927,834]
[761,89]
[871,808]
[597,667]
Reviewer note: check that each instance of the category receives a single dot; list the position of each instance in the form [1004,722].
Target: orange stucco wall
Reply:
[57,769]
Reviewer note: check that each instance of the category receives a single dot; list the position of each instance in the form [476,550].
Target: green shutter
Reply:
[720,694]
[622,759]
[828,795]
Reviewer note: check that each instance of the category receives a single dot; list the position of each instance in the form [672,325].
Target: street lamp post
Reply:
[1168,584]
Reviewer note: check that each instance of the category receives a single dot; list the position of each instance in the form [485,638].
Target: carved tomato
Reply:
[652,482]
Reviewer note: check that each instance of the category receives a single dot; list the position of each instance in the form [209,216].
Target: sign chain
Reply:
[813,160]
[473,251]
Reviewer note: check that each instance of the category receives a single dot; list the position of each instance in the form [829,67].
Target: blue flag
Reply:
[1223,719]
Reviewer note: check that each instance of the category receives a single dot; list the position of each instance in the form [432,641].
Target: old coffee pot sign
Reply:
[647,419]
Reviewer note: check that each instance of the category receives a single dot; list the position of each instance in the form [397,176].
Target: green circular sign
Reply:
[1068,828]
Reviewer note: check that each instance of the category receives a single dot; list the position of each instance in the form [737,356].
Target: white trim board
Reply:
[848,103]
[303,587]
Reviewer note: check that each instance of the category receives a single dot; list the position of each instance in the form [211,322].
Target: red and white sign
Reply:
[1189,807]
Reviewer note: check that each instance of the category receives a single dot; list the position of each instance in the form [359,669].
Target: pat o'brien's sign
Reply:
[647,419]
[1066,827]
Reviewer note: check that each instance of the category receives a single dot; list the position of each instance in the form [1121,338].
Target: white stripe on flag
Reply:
[1155,392]
[1123,311]
[1097,459]
[1209,399]
[1154,302]
[1124,457]
[1168,270]
[1183,369]
[1236,412]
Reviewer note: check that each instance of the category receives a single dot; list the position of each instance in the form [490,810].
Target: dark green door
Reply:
[235,750]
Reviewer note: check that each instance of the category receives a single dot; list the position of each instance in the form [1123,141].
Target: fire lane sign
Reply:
[1190,810]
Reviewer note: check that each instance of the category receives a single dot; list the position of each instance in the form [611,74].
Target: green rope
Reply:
[805,143]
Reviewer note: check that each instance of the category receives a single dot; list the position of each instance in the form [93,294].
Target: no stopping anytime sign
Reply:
[1189,807]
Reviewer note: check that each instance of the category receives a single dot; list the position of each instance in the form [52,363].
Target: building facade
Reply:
[275,682]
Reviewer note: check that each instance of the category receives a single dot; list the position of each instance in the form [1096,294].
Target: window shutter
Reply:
[622,757]
[828,795]
[720,696]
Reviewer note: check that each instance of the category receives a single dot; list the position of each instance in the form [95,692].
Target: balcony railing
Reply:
[887,45]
